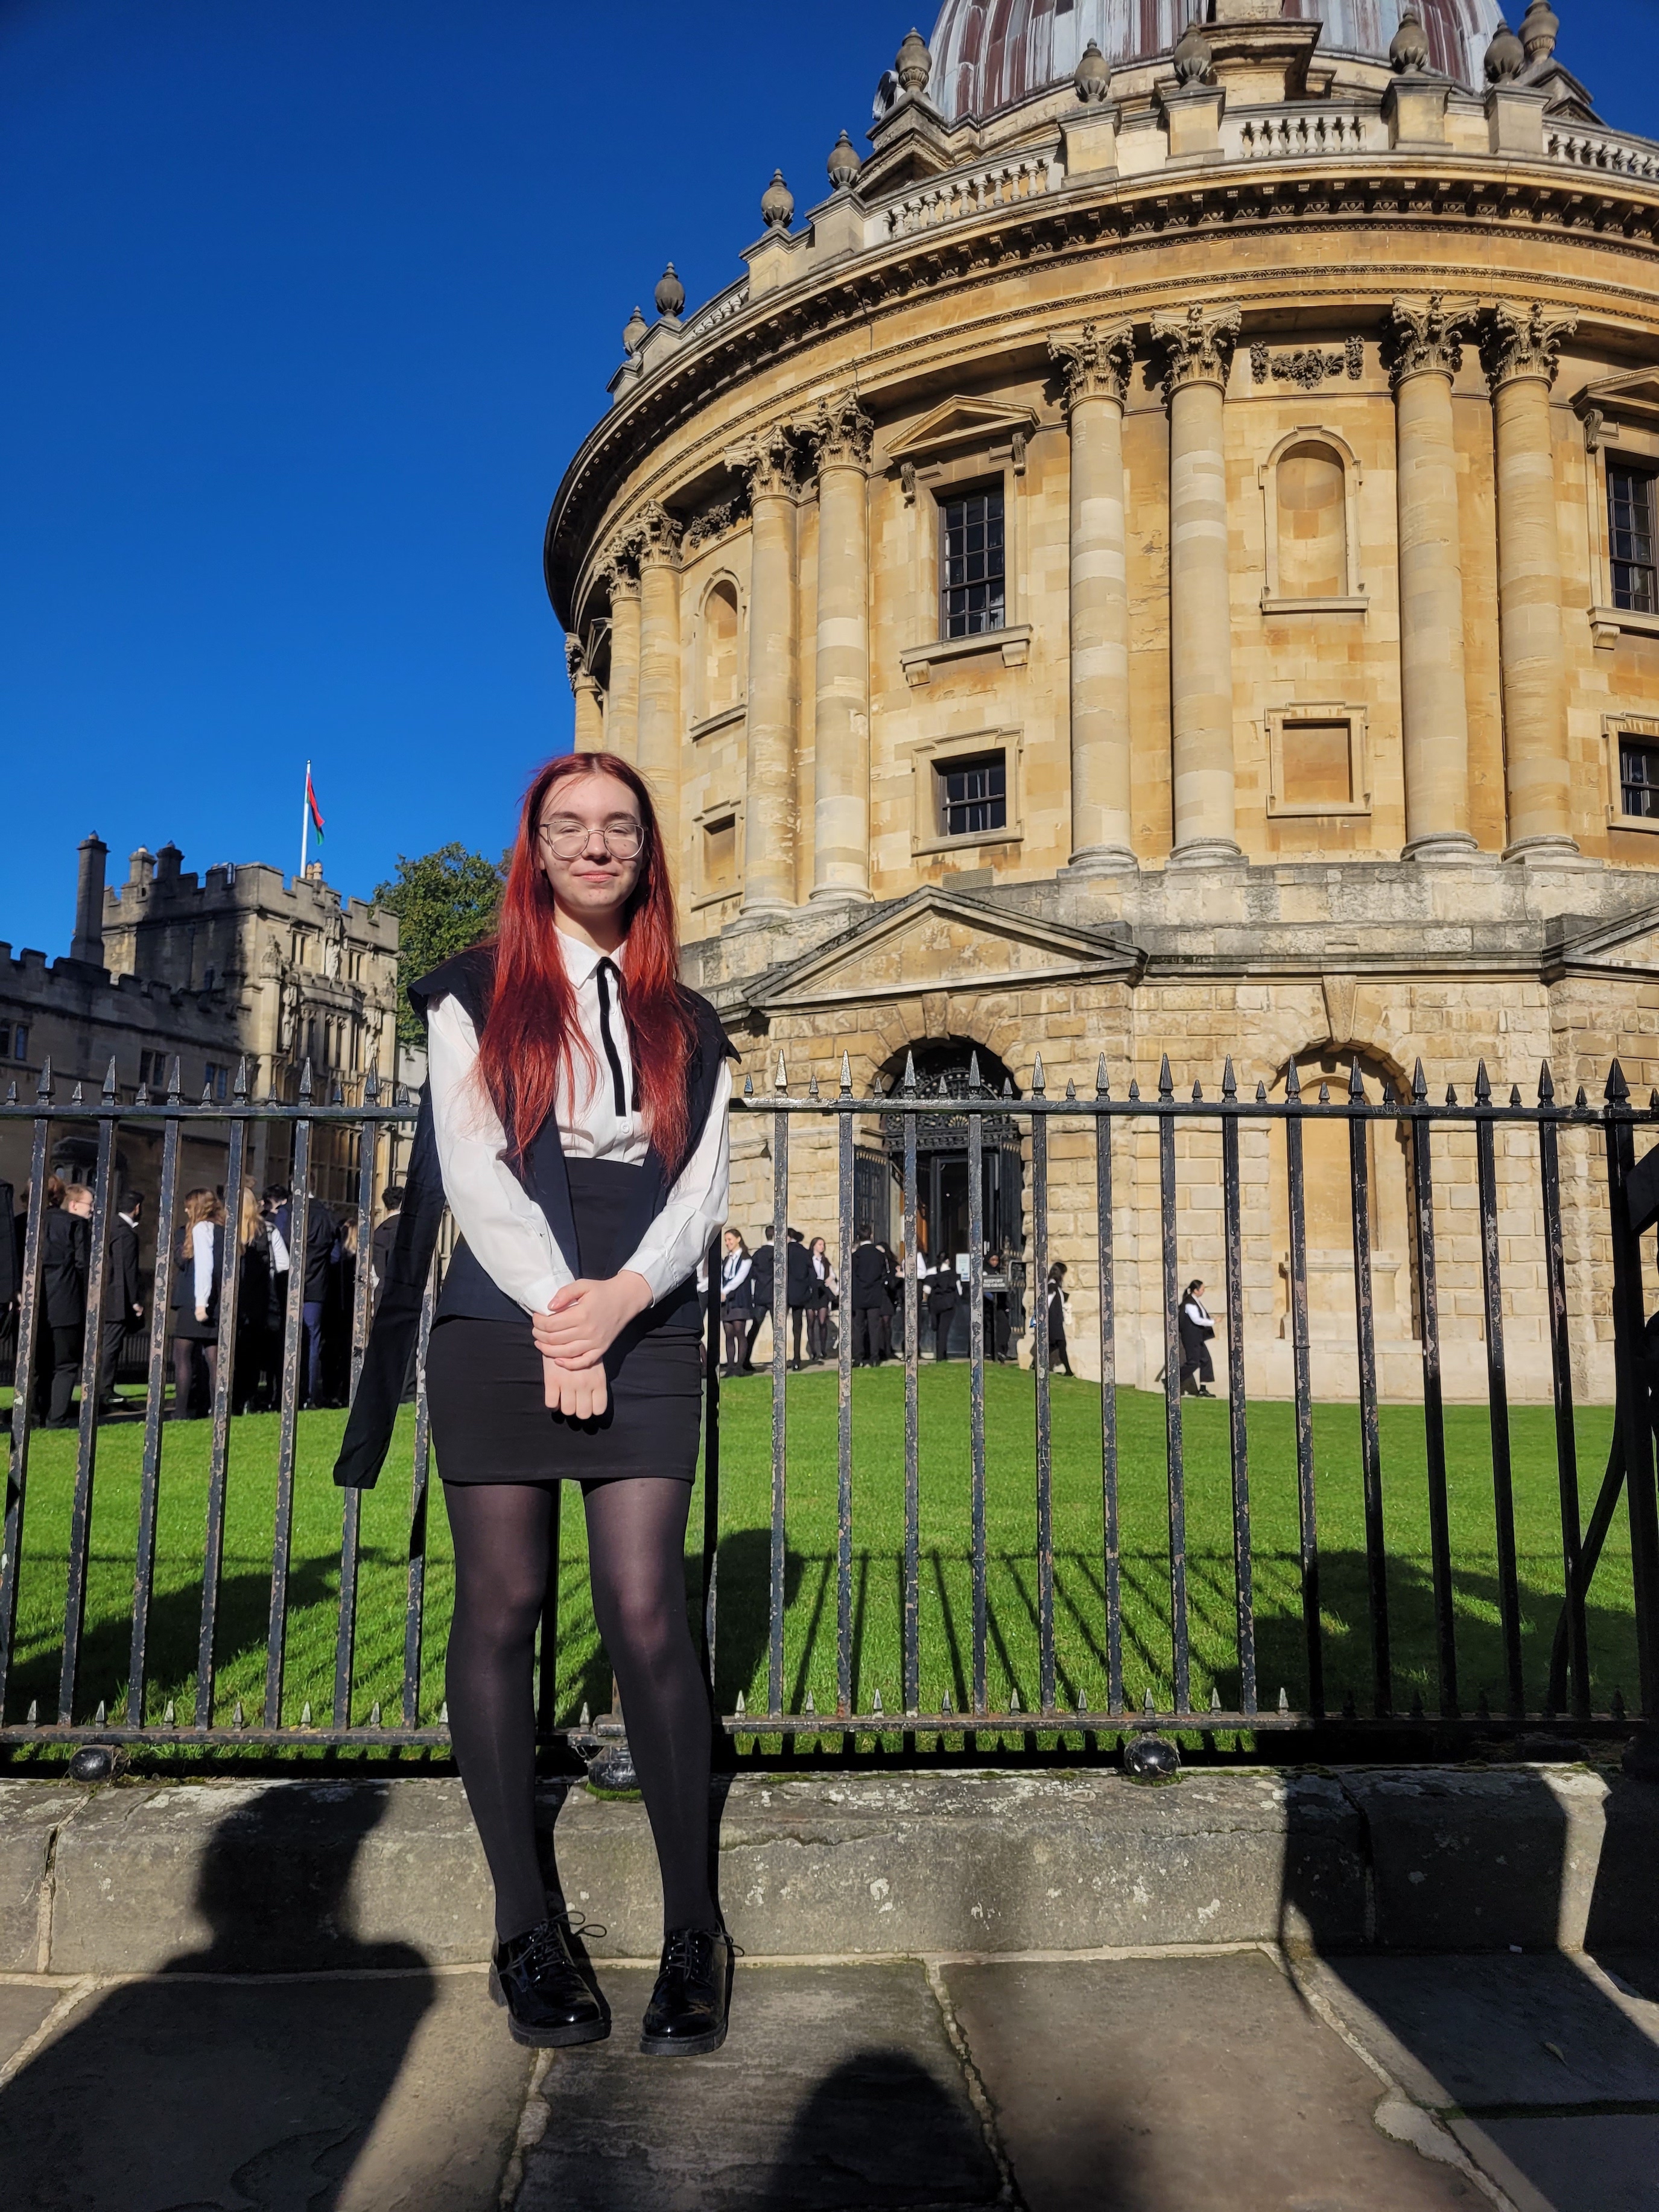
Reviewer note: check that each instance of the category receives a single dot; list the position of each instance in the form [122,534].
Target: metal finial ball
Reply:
[1150,1758]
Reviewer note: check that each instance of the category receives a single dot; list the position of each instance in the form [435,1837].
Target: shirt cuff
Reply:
[654,1272]
[541,1293]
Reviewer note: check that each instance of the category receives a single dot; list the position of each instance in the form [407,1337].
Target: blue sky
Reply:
[308,303]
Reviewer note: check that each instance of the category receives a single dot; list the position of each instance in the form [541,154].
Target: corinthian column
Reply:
[1096,364]
[1198,352]
[658,753]
[769,806]
[1427,351]
[840,435]
[1520,349]
[584,685]
[622,714]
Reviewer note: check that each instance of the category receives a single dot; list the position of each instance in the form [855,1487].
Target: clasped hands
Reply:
[581,1323]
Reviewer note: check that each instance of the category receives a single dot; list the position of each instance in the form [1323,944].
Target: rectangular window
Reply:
[1631,535]
[5,1040]
[218,1081]
[152,1070]
[720,853]
[1317,765]
[19,1041]
[974,796]
[973,593]
[1638,776]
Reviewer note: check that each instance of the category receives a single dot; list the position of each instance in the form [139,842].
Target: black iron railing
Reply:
[1625,1200]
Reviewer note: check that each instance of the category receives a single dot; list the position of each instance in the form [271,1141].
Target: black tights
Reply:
[636,1565]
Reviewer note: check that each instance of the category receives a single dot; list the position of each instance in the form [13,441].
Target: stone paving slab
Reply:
[1495,2029]
[838,2088]
[1182,2085]
[1608,2164]
[23,2006]
[394,2092]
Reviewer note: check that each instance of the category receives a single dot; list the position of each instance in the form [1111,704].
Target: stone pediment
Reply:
[961,421]
[1628,942]
[1634,395]
[939,940]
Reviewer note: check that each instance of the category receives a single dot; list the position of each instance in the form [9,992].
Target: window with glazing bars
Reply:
[1631,535]
[1638,776]
[973,593]
[974,796]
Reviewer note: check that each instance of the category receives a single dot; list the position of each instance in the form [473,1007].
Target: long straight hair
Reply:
[531,1039]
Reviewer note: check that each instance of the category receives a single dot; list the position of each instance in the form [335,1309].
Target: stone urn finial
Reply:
[1192,56]
[844,164]
[1408,50]
[1093,75]
[671,293]
[634,330]
[1539,27]
[915,64]
[1505,57]
[777,204]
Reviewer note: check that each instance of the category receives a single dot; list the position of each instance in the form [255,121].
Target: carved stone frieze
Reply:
[1523,341]
[1308,365]
[715,522]
[1095,362]
[1426,336]
[1197,347]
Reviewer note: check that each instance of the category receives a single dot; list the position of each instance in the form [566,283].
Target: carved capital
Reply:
[841,433]
[659,537]
[1518,342]
[1095,362]
[573,656]
[1197,347]
[620,567]
[1425,337]
[770,463]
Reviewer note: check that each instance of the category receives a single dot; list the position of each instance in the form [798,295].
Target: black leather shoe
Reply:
[550,2000]
[688,2008]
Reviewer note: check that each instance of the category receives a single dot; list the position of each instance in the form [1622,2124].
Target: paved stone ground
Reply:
[1227,2079]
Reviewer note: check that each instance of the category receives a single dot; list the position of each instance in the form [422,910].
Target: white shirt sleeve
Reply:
[741,1275]
[504,1227]
[201,1253]
[669,1249]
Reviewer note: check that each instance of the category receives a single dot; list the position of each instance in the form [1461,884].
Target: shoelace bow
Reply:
[676,1950]
[544,1946]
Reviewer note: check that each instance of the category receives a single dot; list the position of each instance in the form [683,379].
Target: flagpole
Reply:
[305,820]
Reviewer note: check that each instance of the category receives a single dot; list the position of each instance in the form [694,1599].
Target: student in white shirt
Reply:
[1197,1368]
[575,1121]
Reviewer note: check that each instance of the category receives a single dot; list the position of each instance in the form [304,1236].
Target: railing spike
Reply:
[748,1087]
[1036,1077]
[1292,1081]
[1198,1092]
[1419,1084]
[876,1705]
[374,1714]
[587,1719]
[32,1718]
[443,1713]
[1261,1094]
[1101,1090]
[78,1096]
[170,1718]
[207,1092]
[109,1082]
[945,1704]
[810,1709]
[1284,1698]
[1515,1095]
[11,1094]
[909,1075]
[1546,1085]
[100,1718]
[371,1085]
[1617,1090]
[1135,1091]
[1482,1084]
[1581,1101]
[1071,1088]
[1147,1704]
[976,1081]
[1013,1704]
[740,1708]
[305,1081]
[1324,1094]
[1355,1080]
[1215,1701]
[1008,1086]
[1618,1705]
[782,1081]
[305,1714]
[1165,1080]
[43,1081]
[845,1076]
[812,1087]
[1388,1093]
[1229,1081]
[240,1719]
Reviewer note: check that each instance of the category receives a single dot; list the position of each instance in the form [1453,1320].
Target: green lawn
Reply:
[946,1585]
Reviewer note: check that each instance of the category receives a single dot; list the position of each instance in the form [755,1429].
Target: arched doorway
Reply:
[943,1069]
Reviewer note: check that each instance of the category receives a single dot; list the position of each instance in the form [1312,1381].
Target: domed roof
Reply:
[989,53]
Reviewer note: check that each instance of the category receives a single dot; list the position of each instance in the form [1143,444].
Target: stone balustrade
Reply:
[966,192]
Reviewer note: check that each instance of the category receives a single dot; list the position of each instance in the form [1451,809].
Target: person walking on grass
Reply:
[1196,1327]
[799,1283]
[64,1255]
[760,1263]
[198,1275]
[735,1270]
[1060,1306]
[575,1119]
[868,1299]
[123,1304]
[943,1297]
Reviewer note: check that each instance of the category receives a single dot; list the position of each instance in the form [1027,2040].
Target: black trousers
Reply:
[109,1355]
[65,1370]
[943,1323]
[869,1336]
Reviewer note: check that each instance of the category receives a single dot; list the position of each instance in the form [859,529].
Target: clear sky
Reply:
[306,305]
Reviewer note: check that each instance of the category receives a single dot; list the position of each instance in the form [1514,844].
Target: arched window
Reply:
[721,686]
[1310,489]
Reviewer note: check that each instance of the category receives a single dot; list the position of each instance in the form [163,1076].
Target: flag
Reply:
[316,811]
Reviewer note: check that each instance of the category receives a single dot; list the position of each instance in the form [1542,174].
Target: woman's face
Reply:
[819,1245]
[732,1241]
[591,844]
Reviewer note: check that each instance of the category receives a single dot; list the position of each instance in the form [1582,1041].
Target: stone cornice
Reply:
[1095,362]
[1197,345]
[1522,342]
[1425,337]
[1460,194]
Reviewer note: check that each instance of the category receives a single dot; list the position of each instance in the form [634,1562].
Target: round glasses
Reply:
[568,841]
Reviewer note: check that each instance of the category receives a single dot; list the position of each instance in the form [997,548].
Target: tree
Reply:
[444,902]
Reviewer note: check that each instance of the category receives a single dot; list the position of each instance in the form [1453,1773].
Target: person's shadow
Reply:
[880,2130]
[189,2093]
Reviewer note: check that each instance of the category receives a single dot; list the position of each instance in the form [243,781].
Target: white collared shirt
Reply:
[504,1227]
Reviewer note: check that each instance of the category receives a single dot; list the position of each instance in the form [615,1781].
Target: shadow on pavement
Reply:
[876,2128]
[177,2093]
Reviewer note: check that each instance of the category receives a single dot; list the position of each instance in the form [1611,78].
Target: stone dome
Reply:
[989,54]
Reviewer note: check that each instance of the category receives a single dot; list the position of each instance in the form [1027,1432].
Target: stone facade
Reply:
[238,965]
[1308,385]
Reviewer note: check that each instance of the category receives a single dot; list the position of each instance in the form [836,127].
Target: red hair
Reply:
[531,1038]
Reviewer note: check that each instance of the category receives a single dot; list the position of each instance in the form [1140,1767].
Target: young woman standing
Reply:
[735,1308]
[199,1278]
[575,1122]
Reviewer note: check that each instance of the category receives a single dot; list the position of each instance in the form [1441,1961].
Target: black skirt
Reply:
[490,1422]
